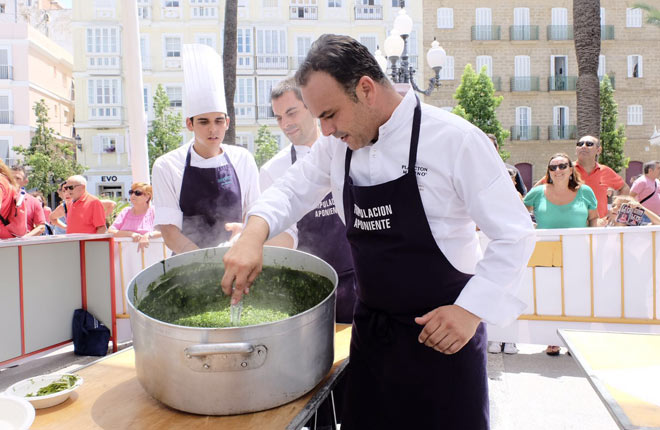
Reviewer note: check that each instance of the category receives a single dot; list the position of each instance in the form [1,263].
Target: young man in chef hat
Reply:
[202,190]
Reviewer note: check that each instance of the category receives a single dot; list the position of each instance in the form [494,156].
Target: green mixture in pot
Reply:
[191,296]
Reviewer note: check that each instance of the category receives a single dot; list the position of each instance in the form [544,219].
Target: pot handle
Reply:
[219,348]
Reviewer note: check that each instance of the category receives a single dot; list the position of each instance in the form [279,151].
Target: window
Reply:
[144,10]
[635,66]
[244,40]
[633,17]
[334,3]
[245,96]
[445,17]
[2,8]
[103,40]
[522,131]
[175,94]
[203,1]
[559,16]
[395,3]
[271,49]
[204,12]
[635,115]
[370,41]
[484,16]
[146,98]
[270,3]
[104,98]
[303,43]
[447,72]
[173,46]
[144,51]
[6,111]
[246,140]
[206,39]
[521,16]
[264,87]
[4,149]
[602,16]
[108,143]
[5,67]
[601,66]
[485,60]
[171,3]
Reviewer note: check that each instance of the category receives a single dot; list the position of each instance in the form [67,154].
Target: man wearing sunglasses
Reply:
[86,214]
[597,176]
[203,189]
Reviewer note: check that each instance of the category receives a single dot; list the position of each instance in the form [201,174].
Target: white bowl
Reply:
[15,413]
[32,385]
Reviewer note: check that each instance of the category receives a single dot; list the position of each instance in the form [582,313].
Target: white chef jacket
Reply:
[462,180]
[167,177]
[275,168]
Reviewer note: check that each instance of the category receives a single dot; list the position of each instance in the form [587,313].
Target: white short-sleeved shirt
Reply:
[275,168]
[462,181]
[167,177]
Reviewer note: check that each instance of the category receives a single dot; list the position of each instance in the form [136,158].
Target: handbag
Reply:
[90,336]
[650,195]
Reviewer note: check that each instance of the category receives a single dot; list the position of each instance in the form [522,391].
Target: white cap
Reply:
[204,85]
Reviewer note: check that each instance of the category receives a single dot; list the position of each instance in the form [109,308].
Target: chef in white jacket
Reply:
[202,190]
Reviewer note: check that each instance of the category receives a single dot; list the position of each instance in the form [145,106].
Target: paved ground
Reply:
[528,391]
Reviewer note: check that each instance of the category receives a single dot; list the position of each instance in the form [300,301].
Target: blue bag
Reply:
[90,336]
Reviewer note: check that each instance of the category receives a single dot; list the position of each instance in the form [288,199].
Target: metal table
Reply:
[624,369]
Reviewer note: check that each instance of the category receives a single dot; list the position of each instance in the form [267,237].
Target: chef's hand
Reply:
[447,328]
[244,260]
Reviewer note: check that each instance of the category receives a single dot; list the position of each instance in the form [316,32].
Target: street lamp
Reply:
[78,142]
[396,48]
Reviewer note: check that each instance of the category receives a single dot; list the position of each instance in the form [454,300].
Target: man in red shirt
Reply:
[597,176]
[86,214]
[36,220]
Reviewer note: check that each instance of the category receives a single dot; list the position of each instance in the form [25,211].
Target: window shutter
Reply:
[97,145]
[120,148]
[485,60]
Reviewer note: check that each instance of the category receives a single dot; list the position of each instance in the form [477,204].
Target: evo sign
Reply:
[109,178]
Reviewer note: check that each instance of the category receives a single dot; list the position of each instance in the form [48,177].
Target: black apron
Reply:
[321,233]
[395,382]
[210,197]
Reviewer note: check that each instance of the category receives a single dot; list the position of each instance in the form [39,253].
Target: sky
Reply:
[65,3]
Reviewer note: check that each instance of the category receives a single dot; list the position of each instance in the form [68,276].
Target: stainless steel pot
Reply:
[226,371]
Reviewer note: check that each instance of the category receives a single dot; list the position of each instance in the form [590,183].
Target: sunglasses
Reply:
[70,187]
[561,166]
[585,142]
[136,192]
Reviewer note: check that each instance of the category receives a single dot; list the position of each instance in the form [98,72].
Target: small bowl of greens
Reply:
[46,390]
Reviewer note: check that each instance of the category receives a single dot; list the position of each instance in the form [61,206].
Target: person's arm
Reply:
[37,231]
[176,240]
[288,238]
[57,214]
[592,218]
[283,240]
[101,229]
[625,189]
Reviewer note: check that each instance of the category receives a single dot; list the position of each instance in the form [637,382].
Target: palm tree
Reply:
[586,28]
[229,64]
[653,14]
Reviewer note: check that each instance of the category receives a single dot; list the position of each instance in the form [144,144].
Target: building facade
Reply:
[273,38]
[32,67]
[528,50]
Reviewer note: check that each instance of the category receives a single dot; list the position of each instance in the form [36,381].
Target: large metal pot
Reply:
[225,371]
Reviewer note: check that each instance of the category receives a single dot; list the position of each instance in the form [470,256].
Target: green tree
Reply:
[653,13]
[50,161]
[164,135]
[477,103]
[266,146]
[612,138]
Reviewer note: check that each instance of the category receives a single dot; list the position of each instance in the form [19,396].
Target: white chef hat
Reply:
[204,85]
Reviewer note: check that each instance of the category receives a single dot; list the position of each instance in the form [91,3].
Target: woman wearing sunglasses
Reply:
[562,202]
[137,221]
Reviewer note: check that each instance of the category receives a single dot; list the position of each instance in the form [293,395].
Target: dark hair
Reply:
[493,139]
[19,168]
[649,165]
[39,195]
[284,87]
[343,58]
[574,180]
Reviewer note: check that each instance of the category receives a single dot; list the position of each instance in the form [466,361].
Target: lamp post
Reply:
[396,48]
[78,142]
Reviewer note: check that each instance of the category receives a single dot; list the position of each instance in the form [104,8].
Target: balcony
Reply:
[525,83]
[272,62]
[560,32]
[562,132]
[105,62]
[606,32]
[524,32]
[244,62]
[244,112]
[612,81]
[303,12]
[486,32]
[365,12]
[6,116]
[265,112]
[6,71]
[525,132]
[562,83]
